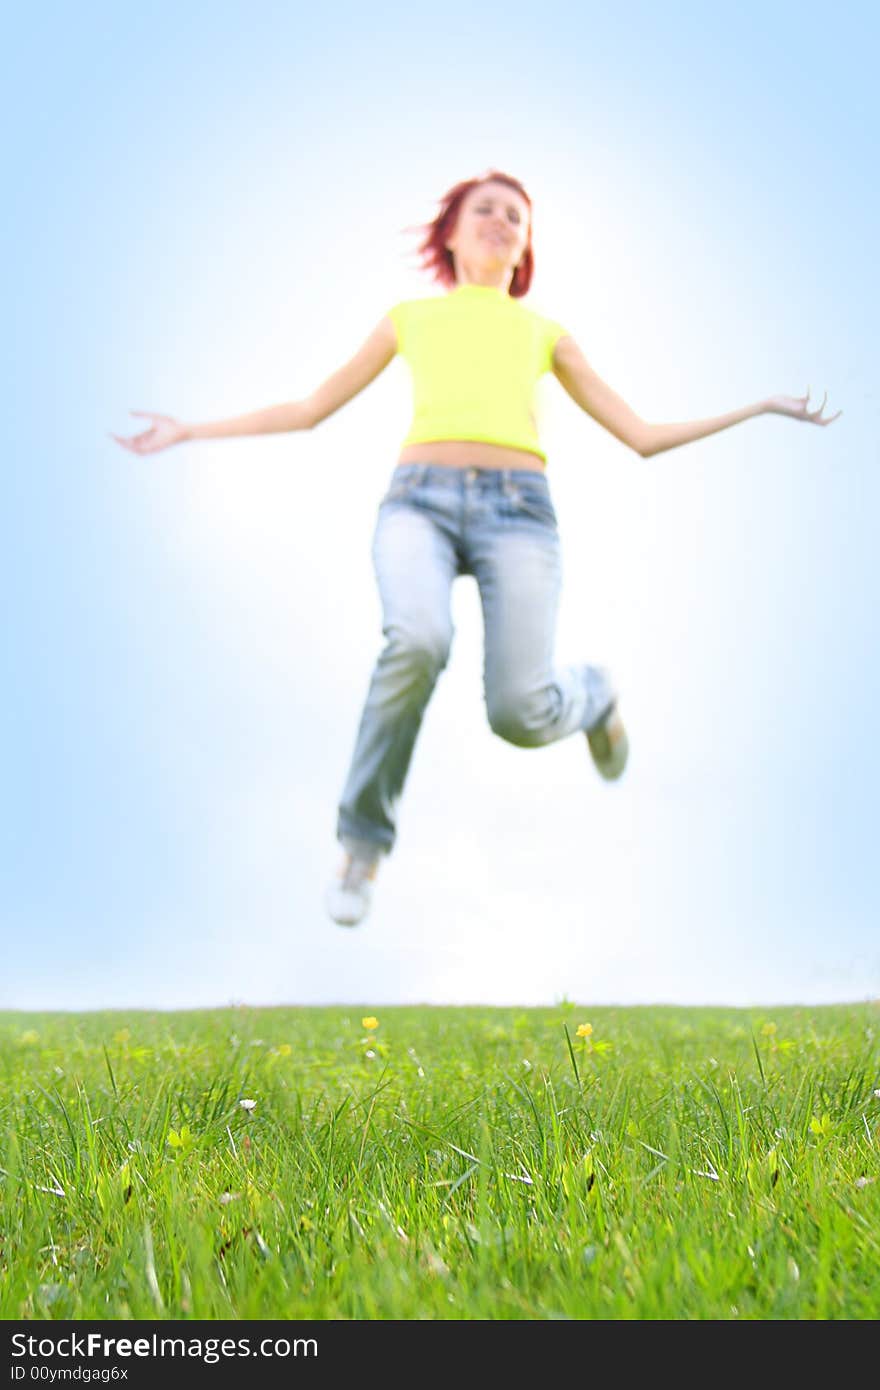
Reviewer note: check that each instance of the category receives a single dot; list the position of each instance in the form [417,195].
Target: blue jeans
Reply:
[435,523]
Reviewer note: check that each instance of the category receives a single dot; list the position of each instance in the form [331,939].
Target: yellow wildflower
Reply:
[370,1023]
[584,1030]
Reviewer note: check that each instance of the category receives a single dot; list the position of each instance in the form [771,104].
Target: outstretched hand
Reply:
[797,408]
[163,432]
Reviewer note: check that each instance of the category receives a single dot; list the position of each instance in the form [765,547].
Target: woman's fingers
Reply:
[815,416]
[135,443]
[798,408]
[162,431]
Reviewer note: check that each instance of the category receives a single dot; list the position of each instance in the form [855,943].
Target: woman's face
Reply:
[492,230]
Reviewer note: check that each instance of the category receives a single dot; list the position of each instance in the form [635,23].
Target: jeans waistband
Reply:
[455,475]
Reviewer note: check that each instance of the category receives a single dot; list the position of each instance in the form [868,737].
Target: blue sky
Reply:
[209,214]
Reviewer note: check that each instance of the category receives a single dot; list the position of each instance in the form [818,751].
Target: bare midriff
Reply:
[464,453]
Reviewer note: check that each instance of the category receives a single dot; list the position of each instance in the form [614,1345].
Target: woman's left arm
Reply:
[608,409]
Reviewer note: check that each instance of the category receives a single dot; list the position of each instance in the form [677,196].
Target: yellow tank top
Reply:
[476,356]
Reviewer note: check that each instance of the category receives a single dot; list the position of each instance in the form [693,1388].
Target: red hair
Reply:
[436,256]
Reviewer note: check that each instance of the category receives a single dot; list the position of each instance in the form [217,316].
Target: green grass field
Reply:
[441,1163]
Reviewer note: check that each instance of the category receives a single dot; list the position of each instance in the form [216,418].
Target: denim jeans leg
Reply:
[530,701]
[415,564]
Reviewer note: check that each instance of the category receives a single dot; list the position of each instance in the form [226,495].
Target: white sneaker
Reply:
[348,899]
[609,745]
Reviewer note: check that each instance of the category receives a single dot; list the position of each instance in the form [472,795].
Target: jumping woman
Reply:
[469,495]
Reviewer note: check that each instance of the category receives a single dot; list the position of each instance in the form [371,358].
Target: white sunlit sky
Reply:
[206,213]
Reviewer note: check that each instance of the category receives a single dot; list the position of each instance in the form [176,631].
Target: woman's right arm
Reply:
[371,359]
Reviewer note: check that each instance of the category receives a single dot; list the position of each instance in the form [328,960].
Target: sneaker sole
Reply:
[609,753]
[345,914]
